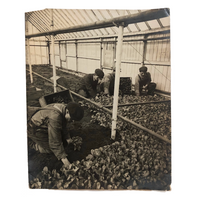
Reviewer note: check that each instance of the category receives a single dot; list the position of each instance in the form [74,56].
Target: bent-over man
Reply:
[89,84]
[47,128]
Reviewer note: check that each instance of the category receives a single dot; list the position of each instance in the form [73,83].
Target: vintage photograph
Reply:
[98,90]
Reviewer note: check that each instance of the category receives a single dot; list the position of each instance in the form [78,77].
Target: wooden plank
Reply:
[161,77]
[153,48]
[155,51]
[159,50]
[163,50]
[135,50]
[168,83]
[164,78]
[138,56]
[167,57]
[129,51]
[153,73]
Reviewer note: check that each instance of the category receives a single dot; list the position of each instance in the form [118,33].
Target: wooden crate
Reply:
[58,97]
[125,85]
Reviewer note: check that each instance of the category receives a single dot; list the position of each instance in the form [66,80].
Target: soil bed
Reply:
[136,160]
[93,135]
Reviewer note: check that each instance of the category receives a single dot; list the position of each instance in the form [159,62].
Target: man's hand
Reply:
[69,141]
[66,162]
[96,98]
[106,94]
[144,87]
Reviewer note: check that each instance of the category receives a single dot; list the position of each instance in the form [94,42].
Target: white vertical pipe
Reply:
[76,51]
[53,54]
[29,61]
[29,52]
[144,47]
[117,80]
[101,54]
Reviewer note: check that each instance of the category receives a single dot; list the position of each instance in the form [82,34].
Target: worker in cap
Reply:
[89,83]
[143,82]
[47,128]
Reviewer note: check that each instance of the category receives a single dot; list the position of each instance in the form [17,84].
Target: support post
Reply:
[60,54]
[53,52]
[48,53]
[29,51]
[29,61]
[115,47]
[101,54]
[76,47]
[117,79]
[144,50]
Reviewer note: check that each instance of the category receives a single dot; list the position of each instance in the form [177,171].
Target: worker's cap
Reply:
[76,112]
[143,69]
[99,73]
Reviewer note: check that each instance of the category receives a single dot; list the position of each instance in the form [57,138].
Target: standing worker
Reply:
[47,129]
[143,81]
[89,84]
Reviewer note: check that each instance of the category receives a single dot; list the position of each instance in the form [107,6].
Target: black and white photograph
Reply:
[122,138]
[98,88]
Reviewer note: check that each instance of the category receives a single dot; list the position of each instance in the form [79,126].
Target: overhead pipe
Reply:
[106,41]
[127,19]
[139,103]
[165,30]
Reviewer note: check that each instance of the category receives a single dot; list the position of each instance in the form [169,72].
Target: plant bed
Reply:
[136,160]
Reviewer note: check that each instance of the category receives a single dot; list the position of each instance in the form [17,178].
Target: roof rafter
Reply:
[80,21]
[127,19]
[104,19]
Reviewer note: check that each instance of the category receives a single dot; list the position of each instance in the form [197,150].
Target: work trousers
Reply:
[151,88]
[38,138]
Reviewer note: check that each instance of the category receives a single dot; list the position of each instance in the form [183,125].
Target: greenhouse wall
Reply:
[86,57]
[38,47]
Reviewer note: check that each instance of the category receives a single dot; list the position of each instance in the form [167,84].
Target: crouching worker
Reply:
[108,83]
[47,131]
[143,82]
[89,84]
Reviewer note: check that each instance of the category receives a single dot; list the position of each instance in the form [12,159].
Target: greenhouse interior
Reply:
[98,88]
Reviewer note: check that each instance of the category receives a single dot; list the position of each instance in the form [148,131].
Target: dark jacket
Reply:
[141,81]
[50,128]
[89,85]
